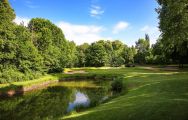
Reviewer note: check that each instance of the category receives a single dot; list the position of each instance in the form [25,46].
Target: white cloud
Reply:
[153,32]
[122,25]
[96,11]
[81,33]
[30,4]
[19,20]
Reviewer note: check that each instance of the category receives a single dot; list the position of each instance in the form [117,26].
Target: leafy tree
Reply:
[71,55]
[147,38]
[159,54]
[173,16]
[117,49]
[50,41]
[27,57]
[96,55]
[128,55]
[142,47]
[81,54]
[7,14]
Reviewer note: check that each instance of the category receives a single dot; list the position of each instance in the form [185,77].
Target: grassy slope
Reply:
[17,85]
[152,95]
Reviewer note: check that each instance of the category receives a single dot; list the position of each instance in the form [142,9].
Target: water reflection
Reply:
[52,102]
[81,99]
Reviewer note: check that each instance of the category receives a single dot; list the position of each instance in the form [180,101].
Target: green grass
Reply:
[152,95]
[17,85]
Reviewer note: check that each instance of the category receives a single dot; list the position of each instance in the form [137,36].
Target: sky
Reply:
[91,20]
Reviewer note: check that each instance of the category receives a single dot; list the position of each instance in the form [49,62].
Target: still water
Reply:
[55,101]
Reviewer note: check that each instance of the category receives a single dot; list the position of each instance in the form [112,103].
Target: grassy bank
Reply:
[154,94]
[60,77]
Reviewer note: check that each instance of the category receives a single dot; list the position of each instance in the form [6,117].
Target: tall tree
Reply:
[128,55]
[147,38]
[81,54]
[7,14]
[173,16]
[50,41]
[117,49]
[96,55]
[142,47]
[159,53]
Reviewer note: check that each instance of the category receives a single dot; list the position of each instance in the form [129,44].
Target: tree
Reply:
[96,55]
[117,49]
[50,41]
[71,54]
[142,47]
[147,38]
[81,54]
[128,55]
[7,14]
[27,58]
[7,43]
[159,54]
[173,16]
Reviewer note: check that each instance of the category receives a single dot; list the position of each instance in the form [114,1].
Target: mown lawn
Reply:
[153,94]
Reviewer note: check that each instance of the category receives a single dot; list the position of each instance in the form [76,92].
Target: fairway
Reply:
[152,95]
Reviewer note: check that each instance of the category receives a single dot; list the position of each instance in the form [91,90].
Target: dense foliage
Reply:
[28,52]
[41,47]
[173,16]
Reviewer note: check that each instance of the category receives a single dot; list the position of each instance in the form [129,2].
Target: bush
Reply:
[117,85]
[130,65]
[11,75]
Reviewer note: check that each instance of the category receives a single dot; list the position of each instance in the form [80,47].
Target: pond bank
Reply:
[14,90]
[56,100]
[18,88]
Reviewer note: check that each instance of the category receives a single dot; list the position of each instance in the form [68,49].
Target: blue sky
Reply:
[91,20]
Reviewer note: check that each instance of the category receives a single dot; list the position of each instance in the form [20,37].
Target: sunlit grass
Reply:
[152,94]
[156,95]
[31,82]
[81,84]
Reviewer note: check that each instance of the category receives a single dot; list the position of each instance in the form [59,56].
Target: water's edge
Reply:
[22,89]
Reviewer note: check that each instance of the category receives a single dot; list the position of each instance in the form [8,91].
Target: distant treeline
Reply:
[29,52]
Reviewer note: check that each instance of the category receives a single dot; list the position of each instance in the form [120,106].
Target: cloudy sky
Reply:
[92,20]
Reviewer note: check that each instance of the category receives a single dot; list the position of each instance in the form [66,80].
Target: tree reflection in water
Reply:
[52,102]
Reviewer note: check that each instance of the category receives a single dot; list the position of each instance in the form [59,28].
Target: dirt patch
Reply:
[76,72]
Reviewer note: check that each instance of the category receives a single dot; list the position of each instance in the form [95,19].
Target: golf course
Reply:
[149,93]
[93,60]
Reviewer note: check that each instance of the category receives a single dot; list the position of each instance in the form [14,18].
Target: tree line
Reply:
[41,47]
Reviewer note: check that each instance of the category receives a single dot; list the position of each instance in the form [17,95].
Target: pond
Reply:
[55,100]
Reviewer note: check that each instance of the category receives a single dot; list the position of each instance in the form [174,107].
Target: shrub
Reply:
[11,75]
[130,65]
[117,85]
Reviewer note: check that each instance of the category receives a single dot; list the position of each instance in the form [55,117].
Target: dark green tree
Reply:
[173,16]
[50,41]
[142,47]
[81,54]
[116,55]
[128,55]
[96,55]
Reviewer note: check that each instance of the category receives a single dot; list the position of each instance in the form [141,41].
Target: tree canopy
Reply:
[41,47]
